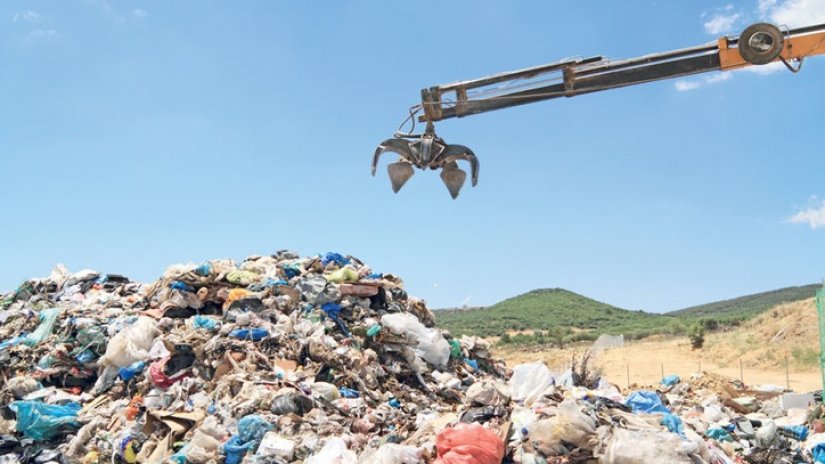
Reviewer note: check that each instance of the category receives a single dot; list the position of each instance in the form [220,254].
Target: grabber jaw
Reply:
[453,178]
[425,151]
[400,173]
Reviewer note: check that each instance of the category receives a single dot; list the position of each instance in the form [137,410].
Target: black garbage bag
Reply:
[292,402]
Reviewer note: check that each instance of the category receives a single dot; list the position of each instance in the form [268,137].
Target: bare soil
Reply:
[789,333]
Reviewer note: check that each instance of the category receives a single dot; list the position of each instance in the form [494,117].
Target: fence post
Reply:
[741,377]
[628,375]
[787,375]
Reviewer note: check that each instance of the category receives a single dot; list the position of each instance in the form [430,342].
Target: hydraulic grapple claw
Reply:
[427,151]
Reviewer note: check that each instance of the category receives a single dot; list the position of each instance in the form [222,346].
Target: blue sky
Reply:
[138,134]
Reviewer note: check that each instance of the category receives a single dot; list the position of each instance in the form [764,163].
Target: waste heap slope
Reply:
[319,359]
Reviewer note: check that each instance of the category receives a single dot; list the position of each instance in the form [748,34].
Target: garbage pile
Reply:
[319,360]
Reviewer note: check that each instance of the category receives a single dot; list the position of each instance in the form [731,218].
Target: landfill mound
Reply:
[320,360]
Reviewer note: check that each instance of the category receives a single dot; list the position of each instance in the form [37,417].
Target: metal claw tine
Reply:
[456,152]
[400,173]
[453,178]
[398,146]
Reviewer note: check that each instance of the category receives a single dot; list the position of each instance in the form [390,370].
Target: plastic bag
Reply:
[343,275]
[644,447]
[205,322]
[432,347]
[291,402]
[530,381]
[469,444]
[670,380]
[334,452]
[673,424]
[42,421]
[202,448]
[131,371]
[255,334]
[251,430]
[393,454]
[645,401]
[47,320]
[488,393]
[569,425]
[276,446]
[130,344]
[325,390]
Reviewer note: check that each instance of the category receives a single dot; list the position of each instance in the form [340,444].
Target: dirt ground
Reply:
[788,332]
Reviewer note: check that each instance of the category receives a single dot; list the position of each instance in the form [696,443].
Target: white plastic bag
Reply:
[643,447]
[274,445]
[334,452]
[202,448]
[393,454]
[569,425]
[432,347]
[130,344]
[530,381]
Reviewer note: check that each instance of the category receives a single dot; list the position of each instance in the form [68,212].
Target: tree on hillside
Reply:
[696,333]
[559,335]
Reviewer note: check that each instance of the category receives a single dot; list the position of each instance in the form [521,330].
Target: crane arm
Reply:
[759,44]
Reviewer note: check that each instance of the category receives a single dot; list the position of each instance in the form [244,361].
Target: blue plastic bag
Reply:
[333,310]
[256,334]
[131,371]
[336,258]
[251,430]
[349,393]
[719,434]
[205,322]
[203,270]
[645,401]
[819,453]
[178,285]
[235,449]
[799,432]
[47,320]
[670,380]
[673,424]
[41,421]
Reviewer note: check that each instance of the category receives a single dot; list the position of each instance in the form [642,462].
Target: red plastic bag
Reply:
[162,380]
[469,444]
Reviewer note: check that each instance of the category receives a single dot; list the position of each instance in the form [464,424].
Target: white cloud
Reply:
[688,85]
[718,77]
[722,23]
[813,215]
[685,86]
[43,34]
[139,13]
[28,16]
[765,69]
[794,13]
[466,300]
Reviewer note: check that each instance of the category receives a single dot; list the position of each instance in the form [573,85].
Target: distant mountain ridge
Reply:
[750,305]
[552,309]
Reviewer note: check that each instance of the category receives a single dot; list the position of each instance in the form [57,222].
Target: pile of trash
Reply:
[320,360]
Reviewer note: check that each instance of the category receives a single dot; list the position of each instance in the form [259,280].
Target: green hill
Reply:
[548,315]
[550,309]
[748,306]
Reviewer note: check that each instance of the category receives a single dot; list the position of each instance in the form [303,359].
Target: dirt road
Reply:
[646,360]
